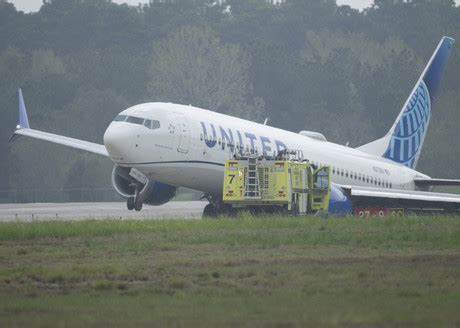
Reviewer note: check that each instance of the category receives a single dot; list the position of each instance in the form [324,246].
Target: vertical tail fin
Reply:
[404,141]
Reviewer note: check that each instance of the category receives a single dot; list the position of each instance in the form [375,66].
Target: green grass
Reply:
[273,271]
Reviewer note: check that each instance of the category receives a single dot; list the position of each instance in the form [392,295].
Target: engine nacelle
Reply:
[152,193]
[339,202]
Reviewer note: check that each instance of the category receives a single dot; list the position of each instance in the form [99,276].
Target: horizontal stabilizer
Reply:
[436,182]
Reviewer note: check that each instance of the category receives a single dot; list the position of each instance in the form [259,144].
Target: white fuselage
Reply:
[190,146]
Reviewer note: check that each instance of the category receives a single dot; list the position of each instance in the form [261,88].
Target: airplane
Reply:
[157,147]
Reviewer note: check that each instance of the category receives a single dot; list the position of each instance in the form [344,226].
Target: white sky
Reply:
[34,5]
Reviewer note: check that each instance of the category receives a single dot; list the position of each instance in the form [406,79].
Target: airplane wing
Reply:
[23,129]
[408,199]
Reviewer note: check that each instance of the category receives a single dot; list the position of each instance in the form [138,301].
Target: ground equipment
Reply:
[286,182]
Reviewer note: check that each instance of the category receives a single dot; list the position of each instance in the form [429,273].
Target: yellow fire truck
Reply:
[286,182]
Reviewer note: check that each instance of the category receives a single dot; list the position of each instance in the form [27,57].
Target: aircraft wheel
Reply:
[130,203]
[138,205]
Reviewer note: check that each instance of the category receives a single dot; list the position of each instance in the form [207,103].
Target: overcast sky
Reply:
[34,5]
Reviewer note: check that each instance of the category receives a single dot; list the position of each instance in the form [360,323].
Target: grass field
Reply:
[269,272]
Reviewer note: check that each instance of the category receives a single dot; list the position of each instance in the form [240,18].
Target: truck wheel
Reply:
[209,211]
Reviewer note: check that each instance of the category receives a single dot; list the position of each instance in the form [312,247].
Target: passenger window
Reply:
[346,173]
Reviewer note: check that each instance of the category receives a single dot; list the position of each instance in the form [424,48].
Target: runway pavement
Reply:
[81,211]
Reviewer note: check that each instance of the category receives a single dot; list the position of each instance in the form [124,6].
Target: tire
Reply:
[138,205]
[229,211]
[209,211]
[130,203]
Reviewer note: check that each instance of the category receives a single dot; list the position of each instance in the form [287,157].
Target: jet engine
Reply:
[339,202]
[151,193]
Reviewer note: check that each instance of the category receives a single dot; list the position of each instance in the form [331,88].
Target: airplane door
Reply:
[184,134]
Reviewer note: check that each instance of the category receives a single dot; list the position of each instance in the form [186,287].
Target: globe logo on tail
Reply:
[409,133]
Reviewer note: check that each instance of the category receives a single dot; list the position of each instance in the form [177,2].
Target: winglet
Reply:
[23,120]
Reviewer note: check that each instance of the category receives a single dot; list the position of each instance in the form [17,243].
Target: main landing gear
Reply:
[135,203]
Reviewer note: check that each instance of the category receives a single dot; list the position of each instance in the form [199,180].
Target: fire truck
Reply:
[284,183]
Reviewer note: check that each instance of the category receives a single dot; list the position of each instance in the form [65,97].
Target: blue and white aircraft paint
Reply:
[157,147]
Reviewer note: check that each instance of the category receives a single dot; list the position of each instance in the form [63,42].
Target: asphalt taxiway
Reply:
[82,211]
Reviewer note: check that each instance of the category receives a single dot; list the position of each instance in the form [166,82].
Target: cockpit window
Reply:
[120,118]
[150,124]
[135,120]
[155,125]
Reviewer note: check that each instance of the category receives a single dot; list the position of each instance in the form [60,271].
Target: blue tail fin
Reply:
[403,143]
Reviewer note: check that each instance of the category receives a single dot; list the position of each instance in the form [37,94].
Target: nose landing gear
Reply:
[135,203]
[139,182]
[130,203]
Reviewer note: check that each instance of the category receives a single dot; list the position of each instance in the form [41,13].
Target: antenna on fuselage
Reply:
[266,121]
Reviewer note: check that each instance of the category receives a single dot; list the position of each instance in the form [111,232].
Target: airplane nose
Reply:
[117,139]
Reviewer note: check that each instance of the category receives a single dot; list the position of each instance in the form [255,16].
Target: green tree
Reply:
[193,67]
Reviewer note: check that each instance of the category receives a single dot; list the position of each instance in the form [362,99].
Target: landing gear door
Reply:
[183,132]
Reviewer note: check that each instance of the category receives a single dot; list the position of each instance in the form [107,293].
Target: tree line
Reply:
[307,65]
